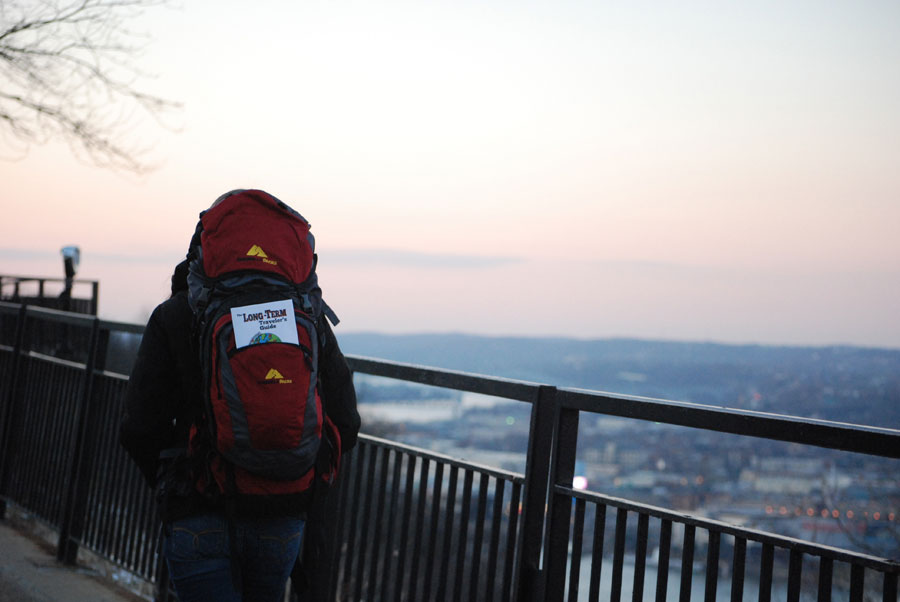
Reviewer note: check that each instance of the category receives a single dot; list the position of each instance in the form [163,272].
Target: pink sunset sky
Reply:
[688,171]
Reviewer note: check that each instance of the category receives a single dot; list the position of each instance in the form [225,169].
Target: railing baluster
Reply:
[29,462]
[767,563]
[575,560]
[109,419]
[889,589]
[379,518]
[448,534]
[687,563]
[795,573]
[479,537]
[662,568]
[738,566]
[404,535]
[494,547]
[131,485]
[463,534]
[430,556]
[417,541]
[712,567]
[353,561]
[41,424]
[365,521]
[826,569]
[597,551]
[857,582]
[146,528]
[640,558]
[618,555]
[392,516]
[512,536]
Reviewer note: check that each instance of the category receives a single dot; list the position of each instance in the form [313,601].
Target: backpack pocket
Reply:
[268,418]
[269,405]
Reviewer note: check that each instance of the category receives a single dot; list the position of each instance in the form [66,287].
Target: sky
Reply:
[701,171]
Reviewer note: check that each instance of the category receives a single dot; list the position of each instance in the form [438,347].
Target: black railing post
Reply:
[889,588]
[537,476]
[75,503]
[10,409]
[559,505]
[95,297]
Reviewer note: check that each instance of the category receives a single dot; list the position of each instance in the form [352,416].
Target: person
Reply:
[245,554]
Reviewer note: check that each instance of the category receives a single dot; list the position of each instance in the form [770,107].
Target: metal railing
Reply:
[51,292]
[409,524]
[563,566]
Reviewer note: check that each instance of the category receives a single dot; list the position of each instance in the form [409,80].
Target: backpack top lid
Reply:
[253,230]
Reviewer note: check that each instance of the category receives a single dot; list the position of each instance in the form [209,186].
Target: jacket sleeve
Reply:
[337,390]
[148,424]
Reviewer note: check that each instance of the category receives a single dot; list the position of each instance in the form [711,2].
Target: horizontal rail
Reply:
[764,537]
[50,359]
[451,379]
[14,279]
[870,440]
[70,318]
[9,307]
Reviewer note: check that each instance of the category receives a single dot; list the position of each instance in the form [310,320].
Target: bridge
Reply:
[407,523]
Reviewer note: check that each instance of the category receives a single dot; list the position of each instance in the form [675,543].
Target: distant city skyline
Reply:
[680,172]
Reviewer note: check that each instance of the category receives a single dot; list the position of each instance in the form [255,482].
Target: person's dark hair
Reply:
[179,278]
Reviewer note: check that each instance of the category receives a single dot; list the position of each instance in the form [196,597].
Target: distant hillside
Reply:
[839,383]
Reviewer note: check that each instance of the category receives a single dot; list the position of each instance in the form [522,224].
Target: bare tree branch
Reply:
[68,71]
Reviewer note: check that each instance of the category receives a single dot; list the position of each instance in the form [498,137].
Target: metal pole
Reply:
[559,505]
[526,583]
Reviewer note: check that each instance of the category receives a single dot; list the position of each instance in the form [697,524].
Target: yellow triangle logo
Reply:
[256,251]
[274,375]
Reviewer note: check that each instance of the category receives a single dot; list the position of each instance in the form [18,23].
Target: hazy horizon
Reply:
[138,314]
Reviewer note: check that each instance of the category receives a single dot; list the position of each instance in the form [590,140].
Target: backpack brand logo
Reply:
[273,377]
[256,252]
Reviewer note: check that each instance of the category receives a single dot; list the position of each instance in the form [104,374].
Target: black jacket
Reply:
[163,401]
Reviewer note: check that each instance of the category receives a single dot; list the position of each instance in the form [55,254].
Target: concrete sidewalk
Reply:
[29,572]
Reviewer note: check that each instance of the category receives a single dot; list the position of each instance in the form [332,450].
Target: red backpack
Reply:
[252,287]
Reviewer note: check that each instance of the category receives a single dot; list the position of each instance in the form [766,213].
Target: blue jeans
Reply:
[198,550]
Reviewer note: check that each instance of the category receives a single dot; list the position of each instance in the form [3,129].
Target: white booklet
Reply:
[271,322]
